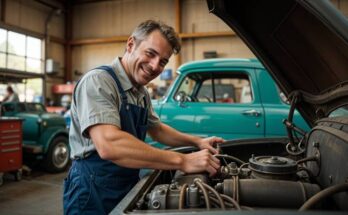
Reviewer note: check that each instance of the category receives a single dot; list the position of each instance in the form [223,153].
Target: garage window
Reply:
[20,52]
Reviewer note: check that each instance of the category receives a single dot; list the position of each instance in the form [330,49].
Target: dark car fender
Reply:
[49,135]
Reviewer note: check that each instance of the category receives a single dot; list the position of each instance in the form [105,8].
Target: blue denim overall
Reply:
[96,186]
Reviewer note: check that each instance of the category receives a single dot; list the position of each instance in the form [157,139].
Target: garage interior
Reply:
[48,45]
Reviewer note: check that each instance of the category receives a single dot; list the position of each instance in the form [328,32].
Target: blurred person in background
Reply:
[11,95]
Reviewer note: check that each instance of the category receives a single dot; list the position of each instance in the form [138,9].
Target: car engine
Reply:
[264,182]
[310,173]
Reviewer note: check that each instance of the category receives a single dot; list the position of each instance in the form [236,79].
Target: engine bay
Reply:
[264,182]
[260,174]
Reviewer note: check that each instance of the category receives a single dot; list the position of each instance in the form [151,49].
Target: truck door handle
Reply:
[251,113]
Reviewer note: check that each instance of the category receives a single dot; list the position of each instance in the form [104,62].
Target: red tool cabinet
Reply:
[11,147]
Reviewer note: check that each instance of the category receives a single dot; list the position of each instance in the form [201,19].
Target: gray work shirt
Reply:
[98,101]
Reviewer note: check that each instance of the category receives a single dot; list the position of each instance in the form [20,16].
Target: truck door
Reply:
[224,103]
[227,104]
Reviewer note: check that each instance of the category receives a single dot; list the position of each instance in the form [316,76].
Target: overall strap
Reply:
[111,72]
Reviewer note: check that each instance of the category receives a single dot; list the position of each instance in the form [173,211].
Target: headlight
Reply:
[40,121]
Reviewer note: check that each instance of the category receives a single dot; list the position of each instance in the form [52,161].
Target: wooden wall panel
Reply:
[196,18]
[31,15]
[57,53]
[226,47]
[88,57]
[118,18]
[91,56]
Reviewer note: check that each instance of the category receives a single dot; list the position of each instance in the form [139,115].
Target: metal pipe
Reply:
[182,196]
[47,42]
[324,194]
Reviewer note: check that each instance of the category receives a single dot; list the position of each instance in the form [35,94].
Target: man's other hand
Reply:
[209,143]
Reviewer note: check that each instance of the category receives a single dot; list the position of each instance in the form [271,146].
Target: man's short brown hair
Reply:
[145,28]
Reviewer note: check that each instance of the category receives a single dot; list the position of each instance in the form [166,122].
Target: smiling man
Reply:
[110,115]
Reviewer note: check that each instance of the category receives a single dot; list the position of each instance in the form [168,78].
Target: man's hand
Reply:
[200,161]
[209,142]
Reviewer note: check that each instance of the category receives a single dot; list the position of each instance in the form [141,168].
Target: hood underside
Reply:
[303,44]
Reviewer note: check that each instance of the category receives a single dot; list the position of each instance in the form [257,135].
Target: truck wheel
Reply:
[1,178]
[18,175]
[57,157]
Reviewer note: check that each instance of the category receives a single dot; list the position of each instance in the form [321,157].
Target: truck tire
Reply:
[58,155]
[1,178]
[18,175]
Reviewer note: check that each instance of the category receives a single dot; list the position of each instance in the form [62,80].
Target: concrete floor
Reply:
[38,193]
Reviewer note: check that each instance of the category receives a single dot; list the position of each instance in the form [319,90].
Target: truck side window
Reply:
[186,89]
[8,108]
[21,107]
[215,87]
[233,89]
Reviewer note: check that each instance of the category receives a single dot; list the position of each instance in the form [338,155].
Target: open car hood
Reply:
[303,44]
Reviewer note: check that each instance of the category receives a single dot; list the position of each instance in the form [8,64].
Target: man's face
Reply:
[147,60]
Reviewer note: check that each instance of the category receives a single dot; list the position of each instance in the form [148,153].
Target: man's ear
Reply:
[130,44]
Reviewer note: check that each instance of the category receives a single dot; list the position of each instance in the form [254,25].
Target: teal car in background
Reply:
[45,137]
[229,98]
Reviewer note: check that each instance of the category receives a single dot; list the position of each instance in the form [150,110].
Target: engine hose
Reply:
[313,158]
[205,193]
[243,165]
[182,196]
[234,202]
[215,202]
[216,194]
[323,194]
[230,157]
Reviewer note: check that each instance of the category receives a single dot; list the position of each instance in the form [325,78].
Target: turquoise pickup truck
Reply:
[229,98]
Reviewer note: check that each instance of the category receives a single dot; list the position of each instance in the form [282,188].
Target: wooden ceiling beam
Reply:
[99,40]
[206,34]
[116,39]
[31,33]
